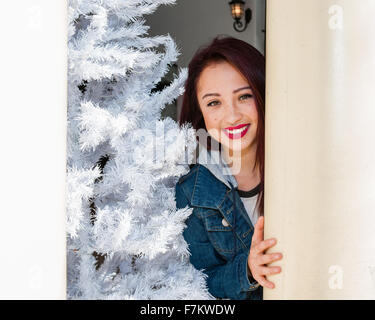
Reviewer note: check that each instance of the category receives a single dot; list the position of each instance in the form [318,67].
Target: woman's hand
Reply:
[257,259]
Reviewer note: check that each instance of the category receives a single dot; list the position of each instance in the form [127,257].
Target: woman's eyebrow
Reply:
[217,95]
[239,89]
[210,94]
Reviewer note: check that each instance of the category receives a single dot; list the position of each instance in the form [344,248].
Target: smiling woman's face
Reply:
[228,106]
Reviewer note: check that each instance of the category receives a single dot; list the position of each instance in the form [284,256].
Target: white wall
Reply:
[33,142]
[192,23]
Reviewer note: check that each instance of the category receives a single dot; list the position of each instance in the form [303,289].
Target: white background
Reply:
[32,162]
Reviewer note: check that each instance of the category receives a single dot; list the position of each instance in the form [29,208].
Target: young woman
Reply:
[224,96]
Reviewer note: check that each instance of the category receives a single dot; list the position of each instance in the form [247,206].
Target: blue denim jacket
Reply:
[218,231]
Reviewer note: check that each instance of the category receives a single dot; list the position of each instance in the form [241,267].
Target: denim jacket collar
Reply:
[222,193]
[214,162]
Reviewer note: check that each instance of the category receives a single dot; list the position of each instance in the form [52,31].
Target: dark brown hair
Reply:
[250,62]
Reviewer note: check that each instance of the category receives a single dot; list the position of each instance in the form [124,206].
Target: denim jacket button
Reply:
[225,223]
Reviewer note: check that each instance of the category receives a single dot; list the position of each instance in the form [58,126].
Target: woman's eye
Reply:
[212,103]
[246,96]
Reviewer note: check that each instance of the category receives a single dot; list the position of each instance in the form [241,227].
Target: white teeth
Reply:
[236,130]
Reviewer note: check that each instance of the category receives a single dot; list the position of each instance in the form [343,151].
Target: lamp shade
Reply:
[237,9]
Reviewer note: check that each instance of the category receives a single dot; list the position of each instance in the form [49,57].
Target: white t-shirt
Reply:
[249,199]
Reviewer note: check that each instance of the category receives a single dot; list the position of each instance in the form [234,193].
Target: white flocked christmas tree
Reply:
[124,233]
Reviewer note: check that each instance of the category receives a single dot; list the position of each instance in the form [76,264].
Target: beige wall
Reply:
[320,155]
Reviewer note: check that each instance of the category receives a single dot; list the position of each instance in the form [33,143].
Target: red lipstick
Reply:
[239,131]
[237,127]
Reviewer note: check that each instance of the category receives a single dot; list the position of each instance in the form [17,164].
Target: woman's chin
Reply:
[237,145]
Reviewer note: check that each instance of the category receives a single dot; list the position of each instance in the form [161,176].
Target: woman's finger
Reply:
[265,283]
[258,231]
[268,258]
[263,245]
[264,271]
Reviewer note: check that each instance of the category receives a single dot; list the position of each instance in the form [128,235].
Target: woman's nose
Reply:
[233,114]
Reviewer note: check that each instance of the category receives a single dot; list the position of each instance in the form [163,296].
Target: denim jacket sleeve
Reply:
[226,279]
